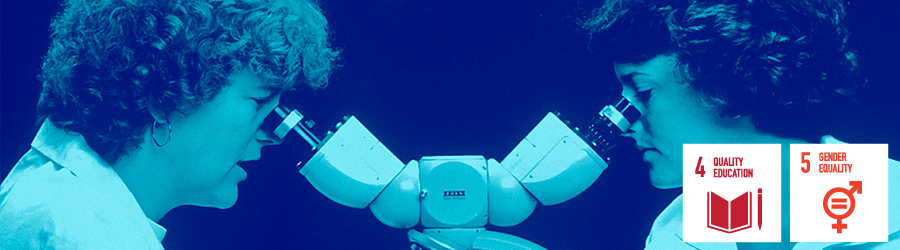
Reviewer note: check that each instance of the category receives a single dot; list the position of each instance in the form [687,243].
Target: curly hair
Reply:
[112,62]
[783,63]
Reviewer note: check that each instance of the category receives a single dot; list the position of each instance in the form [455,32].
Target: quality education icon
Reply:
[727,205]
[731,216]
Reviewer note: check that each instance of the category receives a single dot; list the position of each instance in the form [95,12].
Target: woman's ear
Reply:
[681,72]
[157,115]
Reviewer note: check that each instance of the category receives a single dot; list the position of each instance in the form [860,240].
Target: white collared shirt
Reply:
[62,195]
[666,232]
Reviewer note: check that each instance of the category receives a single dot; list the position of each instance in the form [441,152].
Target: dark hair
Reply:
[785,63]
[111,62]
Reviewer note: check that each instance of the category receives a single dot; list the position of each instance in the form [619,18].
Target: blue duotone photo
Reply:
[464,82]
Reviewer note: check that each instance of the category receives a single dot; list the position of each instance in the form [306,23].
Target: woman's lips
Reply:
[241,172]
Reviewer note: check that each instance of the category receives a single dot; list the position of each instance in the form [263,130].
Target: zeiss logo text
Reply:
[454,193]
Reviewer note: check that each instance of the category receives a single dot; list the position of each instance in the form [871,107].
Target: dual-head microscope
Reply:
[455,197]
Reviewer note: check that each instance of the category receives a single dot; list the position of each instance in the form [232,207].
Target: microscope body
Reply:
[455,197]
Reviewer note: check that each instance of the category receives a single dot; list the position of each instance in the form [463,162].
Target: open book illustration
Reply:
[729,216]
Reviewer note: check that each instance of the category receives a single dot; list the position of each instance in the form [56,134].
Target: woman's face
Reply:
[207,145]
[673,114]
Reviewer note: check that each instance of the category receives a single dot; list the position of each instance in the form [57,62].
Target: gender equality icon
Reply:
[841,204]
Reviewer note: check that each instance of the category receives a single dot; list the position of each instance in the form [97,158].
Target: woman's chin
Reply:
[227,195]
[228,200]
[224,198]
[665,185]
[664,181]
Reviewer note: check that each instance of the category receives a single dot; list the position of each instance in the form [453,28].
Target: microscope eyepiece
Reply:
[282,121]
[629,112]
[606,129]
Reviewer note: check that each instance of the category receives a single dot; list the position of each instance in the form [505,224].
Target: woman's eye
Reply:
[263,101]
[643,95]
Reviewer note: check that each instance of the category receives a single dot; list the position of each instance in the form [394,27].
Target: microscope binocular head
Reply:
[552,164]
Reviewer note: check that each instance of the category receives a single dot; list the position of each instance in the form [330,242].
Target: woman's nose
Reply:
[632,131]
[266,138]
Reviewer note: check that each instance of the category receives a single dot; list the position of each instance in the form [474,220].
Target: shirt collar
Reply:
[158,230]
[829,139]
[70,150]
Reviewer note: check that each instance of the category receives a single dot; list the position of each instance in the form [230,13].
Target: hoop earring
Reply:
[168,135]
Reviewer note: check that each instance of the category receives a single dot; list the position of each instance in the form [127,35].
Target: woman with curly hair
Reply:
[151,105]
[721,71]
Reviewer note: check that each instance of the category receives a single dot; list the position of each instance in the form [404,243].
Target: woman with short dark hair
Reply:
[719,72]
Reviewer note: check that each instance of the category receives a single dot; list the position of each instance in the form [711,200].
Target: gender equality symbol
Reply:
[841,203]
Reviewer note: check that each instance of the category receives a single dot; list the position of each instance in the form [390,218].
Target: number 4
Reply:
[699,169]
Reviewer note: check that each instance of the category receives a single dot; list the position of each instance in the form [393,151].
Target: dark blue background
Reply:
[442,78]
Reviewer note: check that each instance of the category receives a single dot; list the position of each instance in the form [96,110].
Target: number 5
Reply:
[804,160]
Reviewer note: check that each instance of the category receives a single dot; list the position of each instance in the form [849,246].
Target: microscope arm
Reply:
[553,162]
[351,166]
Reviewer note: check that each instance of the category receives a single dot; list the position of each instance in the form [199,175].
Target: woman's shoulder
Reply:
[32,209]
[46,205]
